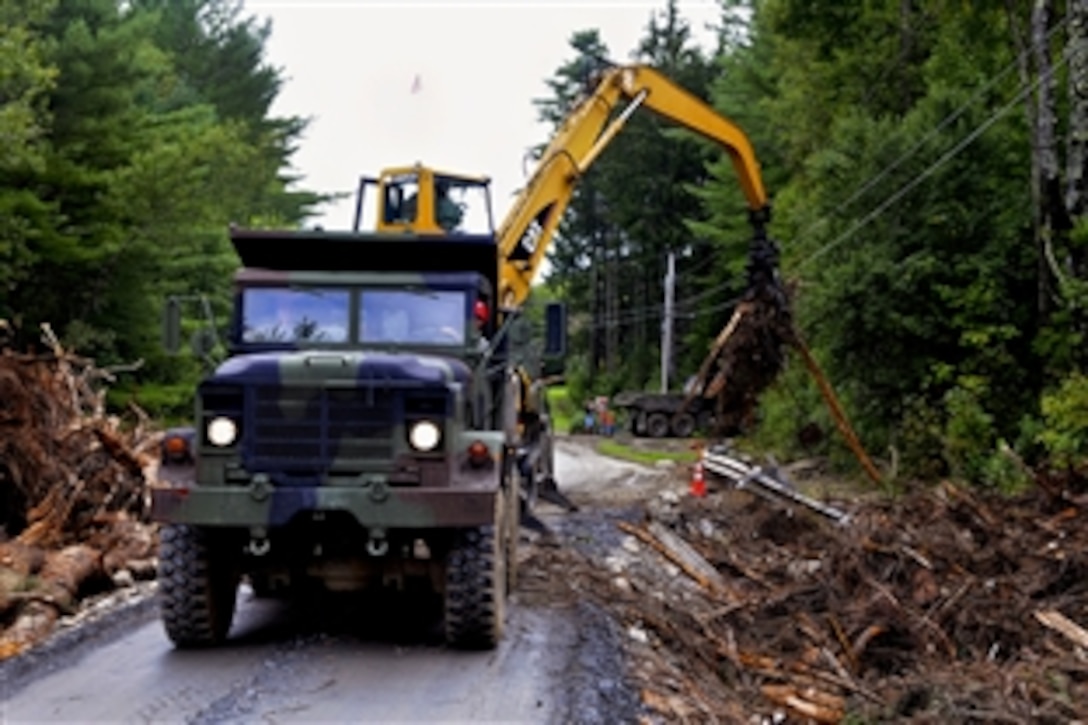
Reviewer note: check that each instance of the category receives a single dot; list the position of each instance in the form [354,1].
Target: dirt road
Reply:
[353,659]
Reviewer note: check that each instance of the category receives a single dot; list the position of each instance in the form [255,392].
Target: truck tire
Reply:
[657,425]
[683,425]
[475,599]
[198,588]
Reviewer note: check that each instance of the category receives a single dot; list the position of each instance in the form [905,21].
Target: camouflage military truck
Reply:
[367,428]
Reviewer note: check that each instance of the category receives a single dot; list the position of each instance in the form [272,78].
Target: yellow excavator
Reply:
[587,130]
[419,200]
[411,196]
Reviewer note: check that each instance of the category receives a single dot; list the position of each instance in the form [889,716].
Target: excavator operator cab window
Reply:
[400,203]
[462,206]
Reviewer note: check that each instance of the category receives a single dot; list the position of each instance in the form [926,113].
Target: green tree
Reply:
[901,209]
[628,210]
[25,78]
[135,162]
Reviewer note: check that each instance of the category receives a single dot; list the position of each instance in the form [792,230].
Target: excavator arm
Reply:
[527,231]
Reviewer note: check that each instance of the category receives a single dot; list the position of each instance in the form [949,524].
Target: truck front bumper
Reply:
[374,505]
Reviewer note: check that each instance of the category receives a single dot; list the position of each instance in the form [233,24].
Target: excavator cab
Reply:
[423,201]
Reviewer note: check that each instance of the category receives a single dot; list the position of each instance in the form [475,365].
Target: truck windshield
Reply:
[271,314]
[414,317]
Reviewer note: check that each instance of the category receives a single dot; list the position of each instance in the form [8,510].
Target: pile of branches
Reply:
[73,490]
[943,605]
[746,357]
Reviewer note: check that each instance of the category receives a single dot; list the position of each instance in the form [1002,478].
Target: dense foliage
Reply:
[133,133]
[939,262]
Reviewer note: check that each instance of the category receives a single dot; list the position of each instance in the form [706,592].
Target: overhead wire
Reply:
[932,168]
[948,120]
[656,310]
[905,156]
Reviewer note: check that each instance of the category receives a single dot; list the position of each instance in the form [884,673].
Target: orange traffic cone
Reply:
[698,483]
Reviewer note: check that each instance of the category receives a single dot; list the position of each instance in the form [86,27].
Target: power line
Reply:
[653,312]
[929,171]
[881,175]
[626,318]
[948,120]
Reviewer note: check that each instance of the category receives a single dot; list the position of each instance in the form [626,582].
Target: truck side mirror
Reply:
[203,342]
[171,338]
[555,330]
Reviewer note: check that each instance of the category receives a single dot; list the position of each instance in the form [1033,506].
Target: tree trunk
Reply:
[1023,62]
[906,51]
[1076,190]
[1051,206]
[600,311]
[612,311]
[640,322]
[1076,175]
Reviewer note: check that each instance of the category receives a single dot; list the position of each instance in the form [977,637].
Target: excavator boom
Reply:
[526,233]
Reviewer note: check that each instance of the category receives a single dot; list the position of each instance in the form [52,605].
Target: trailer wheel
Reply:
[657,425]
[475,599]
[683,425]
[198,587]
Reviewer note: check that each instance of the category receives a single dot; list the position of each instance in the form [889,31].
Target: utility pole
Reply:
[666,324]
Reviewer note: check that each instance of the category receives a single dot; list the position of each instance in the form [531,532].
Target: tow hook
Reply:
[259,547]
[258,542]
[377,545]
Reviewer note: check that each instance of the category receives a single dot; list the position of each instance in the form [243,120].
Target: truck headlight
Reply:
[222,431]
[424,436]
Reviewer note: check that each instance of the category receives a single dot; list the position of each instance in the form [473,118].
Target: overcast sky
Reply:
[351,65]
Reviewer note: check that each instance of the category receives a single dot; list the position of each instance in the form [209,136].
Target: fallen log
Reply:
[678,552]
[20,557]
[56,592]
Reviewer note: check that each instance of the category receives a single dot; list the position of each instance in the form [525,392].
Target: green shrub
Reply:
[168,403]
[969,438]
[1065,423]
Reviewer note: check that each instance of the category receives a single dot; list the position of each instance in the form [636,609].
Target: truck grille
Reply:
[318,430]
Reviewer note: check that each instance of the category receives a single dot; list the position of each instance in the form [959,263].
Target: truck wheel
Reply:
[475,589]
[683,425]
[197,587]
[657,425]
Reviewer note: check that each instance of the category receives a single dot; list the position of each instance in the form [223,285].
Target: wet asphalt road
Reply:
[272,672]
[341,659]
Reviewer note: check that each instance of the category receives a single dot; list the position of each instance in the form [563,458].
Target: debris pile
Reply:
[73,491]
[745,358]
[941,605]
